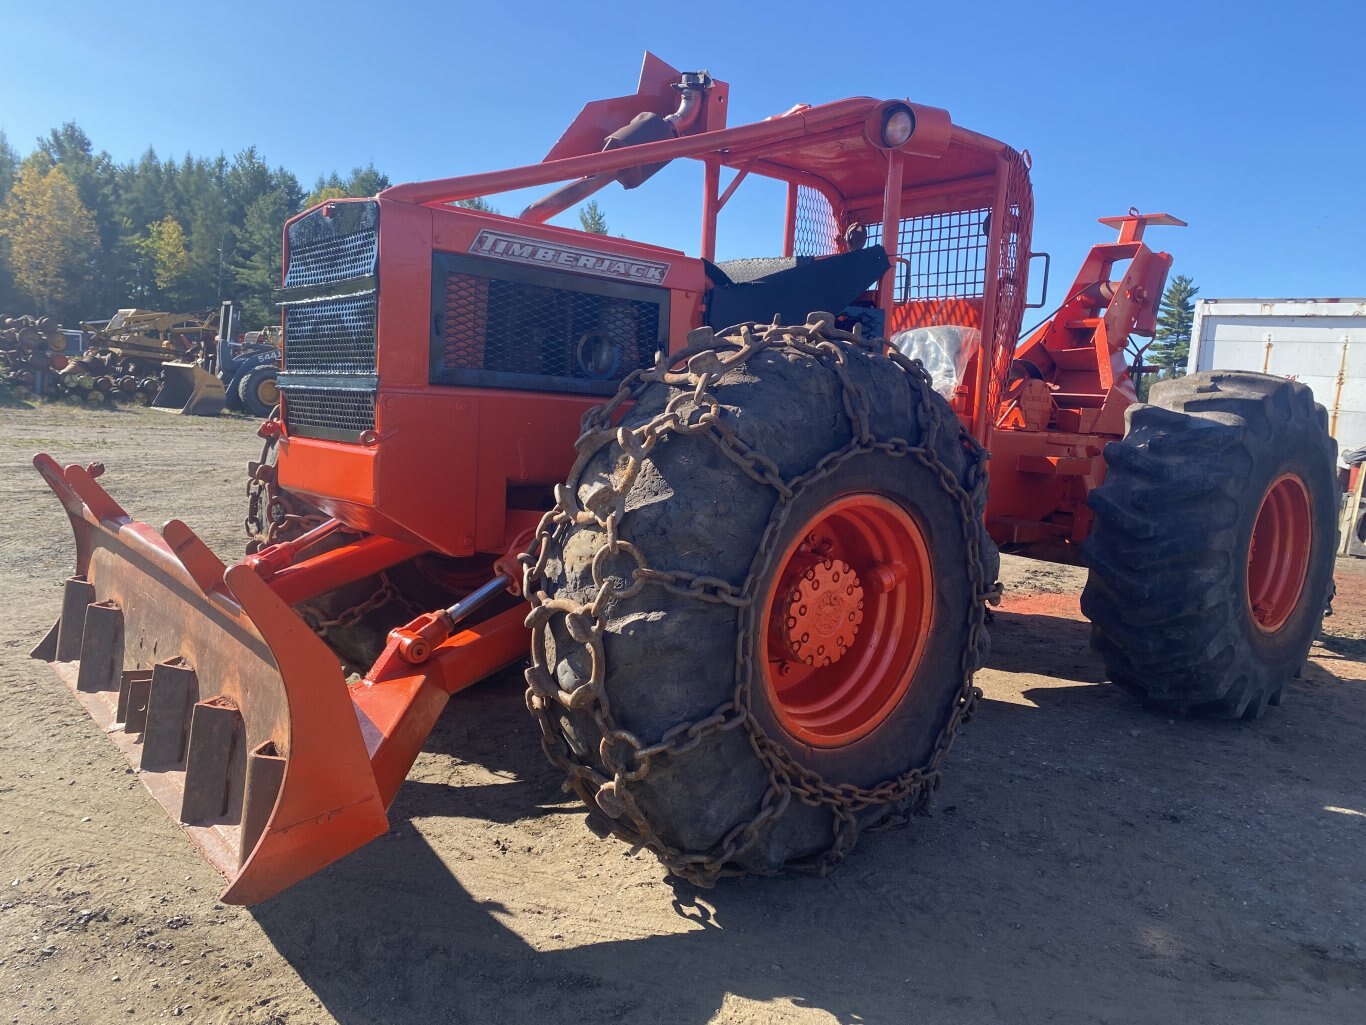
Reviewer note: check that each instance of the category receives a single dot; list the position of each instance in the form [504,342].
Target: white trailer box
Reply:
[1319,342]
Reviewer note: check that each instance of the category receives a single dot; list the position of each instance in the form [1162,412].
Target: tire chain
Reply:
[383,595]
[704,359]
[273,514]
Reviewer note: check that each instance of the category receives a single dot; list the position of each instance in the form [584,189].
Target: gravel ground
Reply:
[1087,860]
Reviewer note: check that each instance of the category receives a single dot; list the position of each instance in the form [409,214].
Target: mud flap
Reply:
[191,389]
[233,712]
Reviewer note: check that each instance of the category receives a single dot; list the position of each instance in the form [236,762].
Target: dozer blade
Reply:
[191,389]
[233,712]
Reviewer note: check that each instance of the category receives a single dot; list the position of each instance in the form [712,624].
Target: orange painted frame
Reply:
[1042,472]
[412,484]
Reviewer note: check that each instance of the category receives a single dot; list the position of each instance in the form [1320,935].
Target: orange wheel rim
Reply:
[1278,555]
[845,620]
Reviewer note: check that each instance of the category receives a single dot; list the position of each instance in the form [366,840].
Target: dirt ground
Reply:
[1087,860]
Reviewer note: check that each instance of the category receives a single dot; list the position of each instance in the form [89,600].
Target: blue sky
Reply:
[1246,119]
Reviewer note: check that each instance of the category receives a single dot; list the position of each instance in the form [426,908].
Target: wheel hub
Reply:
[1278,554]
[847,618]
[824,611]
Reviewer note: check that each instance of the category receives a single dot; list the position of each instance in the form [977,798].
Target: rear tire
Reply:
[657,669]
[1186,611]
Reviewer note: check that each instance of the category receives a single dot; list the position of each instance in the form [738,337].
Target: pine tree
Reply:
[592,218]
[248,179]
[477,203]
[322,193]
[257,273]
[361,183]
[205,212]
[173,234]
[93,174]
[327,187]
[143,195]
[9,165]
[365,182]
[1175,318]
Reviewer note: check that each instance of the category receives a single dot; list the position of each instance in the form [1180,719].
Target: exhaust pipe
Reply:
[646,127]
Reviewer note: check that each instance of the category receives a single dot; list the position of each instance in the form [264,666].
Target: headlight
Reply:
[898,124]
[597,357]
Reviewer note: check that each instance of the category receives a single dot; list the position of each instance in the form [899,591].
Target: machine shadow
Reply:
[1020,879]
[488,729]
[1353,649]
[1024,641]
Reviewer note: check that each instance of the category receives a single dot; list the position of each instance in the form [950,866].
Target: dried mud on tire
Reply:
[648,589]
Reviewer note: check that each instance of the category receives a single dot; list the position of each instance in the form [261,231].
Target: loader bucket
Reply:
[191,389]
[232,711]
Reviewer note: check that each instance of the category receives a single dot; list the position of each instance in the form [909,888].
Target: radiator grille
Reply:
[329,373]
[509,327]
[350,256]
[332,336]
[323,248]
[329,413]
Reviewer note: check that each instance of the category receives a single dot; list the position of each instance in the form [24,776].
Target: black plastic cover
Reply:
[830,284]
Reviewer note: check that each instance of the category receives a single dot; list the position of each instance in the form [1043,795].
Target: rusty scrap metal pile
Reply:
[100,364]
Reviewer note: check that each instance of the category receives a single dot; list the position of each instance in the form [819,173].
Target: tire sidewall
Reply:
[247,388]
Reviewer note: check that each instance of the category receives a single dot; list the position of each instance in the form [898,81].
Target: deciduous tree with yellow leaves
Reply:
[164,246]
[52,240]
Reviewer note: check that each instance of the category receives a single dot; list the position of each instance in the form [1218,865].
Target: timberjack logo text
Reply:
[551,254]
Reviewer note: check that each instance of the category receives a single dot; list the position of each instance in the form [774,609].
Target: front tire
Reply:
[1211,555]
[759,602]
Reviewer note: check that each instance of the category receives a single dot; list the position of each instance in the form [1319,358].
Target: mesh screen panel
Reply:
[815,229]
[332,336]
[329,412]
[500,332]
[945,255]
[1010,297]
[324,248]
[347,256]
